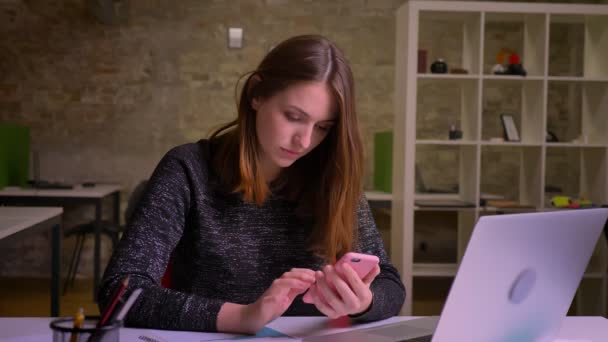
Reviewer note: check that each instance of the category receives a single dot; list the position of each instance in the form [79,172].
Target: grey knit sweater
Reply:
[221,248]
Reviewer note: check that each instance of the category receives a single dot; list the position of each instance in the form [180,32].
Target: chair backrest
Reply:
[606,230]
[134,199]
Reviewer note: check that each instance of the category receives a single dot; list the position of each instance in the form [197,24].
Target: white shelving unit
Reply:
[537,26]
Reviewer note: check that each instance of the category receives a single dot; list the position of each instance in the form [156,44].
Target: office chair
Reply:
[110,229]
[606,230]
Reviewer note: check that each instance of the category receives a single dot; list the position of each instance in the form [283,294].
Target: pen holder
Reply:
[64,331]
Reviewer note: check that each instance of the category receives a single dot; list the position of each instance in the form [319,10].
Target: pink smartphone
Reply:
[361,263]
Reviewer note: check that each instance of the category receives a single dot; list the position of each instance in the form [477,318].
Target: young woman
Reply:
[253,217]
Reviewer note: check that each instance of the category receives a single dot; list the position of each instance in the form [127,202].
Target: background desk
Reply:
[15,222]
[285,328]
[61,197]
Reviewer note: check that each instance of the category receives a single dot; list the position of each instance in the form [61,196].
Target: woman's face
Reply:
[292,123]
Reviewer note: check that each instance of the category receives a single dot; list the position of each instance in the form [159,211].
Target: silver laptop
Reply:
[516,281]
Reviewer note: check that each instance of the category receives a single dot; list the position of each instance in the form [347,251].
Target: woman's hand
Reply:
[341,292]
[272,304]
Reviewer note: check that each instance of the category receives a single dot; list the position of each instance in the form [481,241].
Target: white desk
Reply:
[61,197]
[579,329]
[17,221]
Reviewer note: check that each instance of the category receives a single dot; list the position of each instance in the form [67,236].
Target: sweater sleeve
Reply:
[387,289]
[143,253]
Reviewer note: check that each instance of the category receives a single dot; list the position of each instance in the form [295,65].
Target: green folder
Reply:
[383,161]
[14,155]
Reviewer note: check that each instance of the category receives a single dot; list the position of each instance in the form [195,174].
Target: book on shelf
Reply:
[501,203]
[450,203]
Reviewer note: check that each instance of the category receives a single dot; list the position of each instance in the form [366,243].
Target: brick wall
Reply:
[105,102]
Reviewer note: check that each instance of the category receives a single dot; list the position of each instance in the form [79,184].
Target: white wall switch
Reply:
[235,37]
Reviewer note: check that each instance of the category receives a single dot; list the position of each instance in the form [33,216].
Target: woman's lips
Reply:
[290,153]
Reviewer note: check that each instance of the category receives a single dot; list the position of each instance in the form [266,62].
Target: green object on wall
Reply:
[383,161]
[14,155]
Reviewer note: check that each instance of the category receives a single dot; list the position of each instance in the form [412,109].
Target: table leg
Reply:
[116,196]
[97,249]
[55,269]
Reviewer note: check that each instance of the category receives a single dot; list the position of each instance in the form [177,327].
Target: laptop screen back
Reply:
[519,275]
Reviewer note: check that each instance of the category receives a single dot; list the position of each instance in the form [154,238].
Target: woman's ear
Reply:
[256,103]
[254,81]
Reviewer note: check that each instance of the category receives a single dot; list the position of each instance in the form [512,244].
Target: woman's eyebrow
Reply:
[301,111]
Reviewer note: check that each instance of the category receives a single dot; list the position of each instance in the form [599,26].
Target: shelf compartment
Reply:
[596,46]
[461,50]
[522,99]
[513,172]
[564,111]
[578,173]
[514,78]
[573,145]
[577,79]
[452,169]
[505,210]
[594,112]
[435,237]
[576,112]
[466,224]
[447,77]
[446,142]
[594,168]
[586,299]
[598,262]
[566,46]
[578,45]
[522,33]
[594,282]
[458,107]
[443,209]
[435,270]
[509,143]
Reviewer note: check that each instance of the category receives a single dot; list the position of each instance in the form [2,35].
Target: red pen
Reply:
[106,315]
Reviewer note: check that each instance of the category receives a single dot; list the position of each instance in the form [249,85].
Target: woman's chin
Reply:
[285,162]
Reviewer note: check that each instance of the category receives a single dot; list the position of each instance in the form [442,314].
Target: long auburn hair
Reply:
[327,182]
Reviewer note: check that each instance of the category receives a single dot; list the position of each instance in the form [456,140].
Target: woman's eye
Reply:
[324,128]
[292,116]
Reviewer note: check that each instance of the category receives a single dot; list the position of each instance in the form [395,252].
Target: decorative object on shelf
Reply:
[383,161]
[503,203]
[581,139]
[553,188]
[551,137]
[499,68]
[515,67]
[444,203]
[439,67]
[15,155]
[508,125]
[572,203]
[560,201]
[455,134]
[422,55]
[461,71]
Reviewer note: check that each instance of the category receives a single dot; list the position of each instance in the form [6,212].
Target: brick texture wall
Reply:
[105,102]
